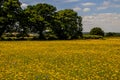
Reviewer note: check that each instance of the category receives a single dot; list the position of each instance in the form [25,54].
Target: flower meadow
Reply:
[60,60]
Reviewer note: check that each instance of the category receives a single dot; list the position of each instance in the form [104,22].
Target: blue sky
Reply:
[95,13]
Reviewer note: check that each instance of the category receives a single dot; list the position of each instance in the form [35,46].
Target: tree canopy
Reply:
[64,24]
[40,16]
[97,31]
[9,10]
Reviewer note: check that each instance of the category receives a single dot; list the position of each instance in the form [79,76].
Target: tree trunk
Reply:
[41,36]
[2,31]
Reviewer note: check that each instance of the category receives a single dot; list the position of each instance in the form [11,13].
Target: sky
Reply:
[95,13]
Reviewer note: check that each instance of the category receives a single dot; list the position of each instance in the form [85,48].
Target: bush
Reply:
[92,37]
[112,34]
[97,31]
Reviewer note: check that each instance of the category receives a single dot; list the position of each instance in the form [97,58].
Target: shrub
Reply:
[97,31]
[112,34]
[92,37]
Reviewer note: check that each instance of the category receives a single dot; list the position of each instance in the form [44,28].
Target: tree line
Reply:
[41,18]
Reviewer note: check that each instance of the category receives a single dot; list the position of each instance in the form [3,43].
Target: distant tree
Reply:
[109,34]
[112,34]
[40,17]
[67,24]
[97,31]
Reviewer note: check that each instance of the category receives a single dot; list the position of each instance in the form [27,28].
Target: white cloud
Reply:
[71,0]
[86,9]
[109,22]
[101,8]
[115,5]
[76,8]
[24,5]
[104,5]
[88,4]
[108,4]
[116,0]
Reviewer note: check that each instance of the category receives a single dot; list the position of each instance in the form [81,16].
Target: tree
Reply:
[40,17]
[9,10]
[78,32]
[97,31]
[23,24]
[2,19]
[66,24]
[112,34]
[109,34]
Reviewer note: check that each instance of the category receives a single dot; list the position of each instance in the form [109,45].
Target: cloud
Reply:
[24,5]
[88,4]
[116,6]
[101,8]
[108,4]
[86,9]
[116,0]
[67,1]
[109,22]
[105,5]
[76,8]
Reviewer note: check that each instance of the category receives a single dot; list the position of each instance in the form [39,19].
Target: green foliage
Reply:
[9,10]
[64,24]
[97,31]
[67,24]
[92,37]
[112,34]
[40,16]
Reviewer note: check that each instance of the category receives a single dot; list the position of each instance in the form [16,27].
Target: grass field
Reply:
[60,60]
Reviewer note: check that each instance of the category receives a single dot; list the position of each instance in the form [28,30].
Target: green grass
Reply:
[65,60]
